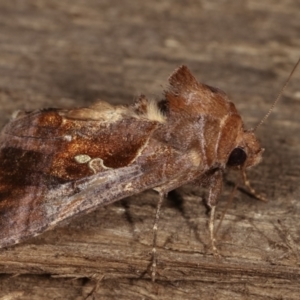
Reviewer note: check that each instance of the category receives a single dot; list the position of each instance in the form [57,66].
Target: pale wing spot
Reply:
[97,162]
[82,158]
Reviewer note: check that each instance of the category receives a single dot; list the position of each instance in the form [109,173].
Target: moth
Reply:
[56,164]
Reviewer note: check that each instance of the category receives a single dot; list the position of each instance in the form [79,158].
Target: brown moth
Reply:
[57,164]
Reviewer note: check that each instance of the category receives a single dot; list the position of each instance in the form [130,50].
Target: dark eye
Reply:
[237,157]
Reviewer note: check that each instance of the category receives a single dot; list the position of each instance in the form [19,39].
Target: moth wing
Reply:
[44,178]
[67,201]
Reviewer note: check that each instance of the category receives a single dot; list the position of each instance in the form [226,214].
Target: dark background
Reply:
[71,53]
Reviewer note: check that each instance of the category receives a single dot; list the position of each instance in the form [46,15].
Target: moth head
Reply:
[250,153]
[247,153]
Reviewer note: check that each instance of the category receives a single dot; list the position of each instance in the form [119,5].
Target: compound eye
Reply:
[237,157]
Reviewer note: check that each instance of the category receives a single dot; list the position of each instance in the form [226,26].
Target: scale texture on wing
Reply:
[54,166]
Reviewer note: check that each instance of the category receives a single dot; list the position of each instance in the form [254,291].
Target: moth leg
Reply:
[250,188]
[215,188]
[155,226]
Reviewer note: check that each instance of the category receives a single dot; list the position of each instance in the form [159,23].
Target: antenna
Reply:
[278,97]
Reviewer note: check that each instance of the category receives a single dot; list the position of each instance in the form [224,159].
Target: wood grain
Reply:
[71,53]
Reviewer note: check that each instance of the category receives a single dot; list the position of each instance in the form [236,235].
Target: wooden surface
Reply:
[70,53]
